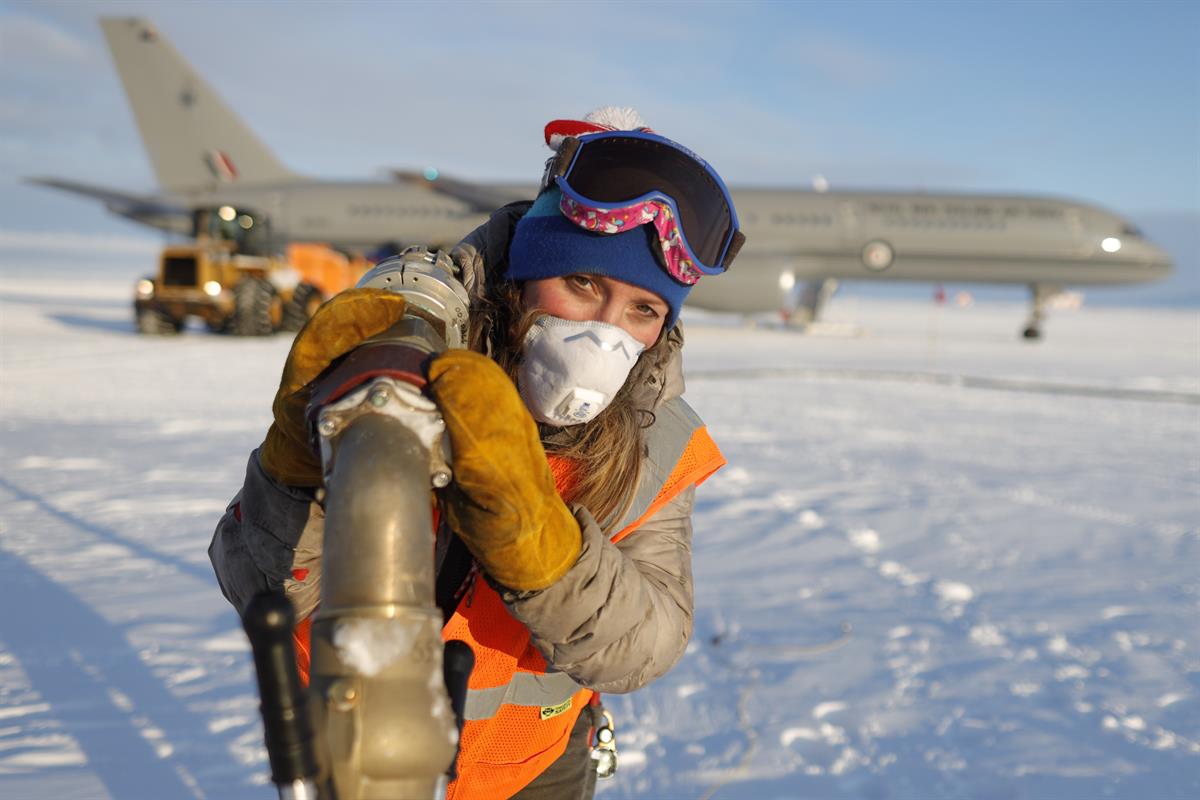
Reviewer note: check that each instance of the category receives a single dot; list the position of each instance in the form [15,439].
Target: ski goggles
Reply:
[616,178]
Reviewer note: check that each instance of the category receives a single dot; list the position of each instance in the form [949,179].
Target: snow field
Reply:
[904,587]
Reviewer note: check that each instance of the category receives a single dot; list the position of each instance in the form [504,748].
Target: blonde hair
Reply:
[610,448]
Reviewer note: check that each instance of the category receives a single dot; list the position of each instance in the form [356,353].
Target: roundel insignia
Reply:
[877,255]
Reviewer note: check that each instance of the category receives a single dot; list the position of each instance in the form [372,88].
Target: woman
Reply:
[576,460]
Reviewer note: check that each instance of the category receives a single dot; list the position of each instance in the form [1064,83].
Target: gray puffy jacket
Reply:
[618,619]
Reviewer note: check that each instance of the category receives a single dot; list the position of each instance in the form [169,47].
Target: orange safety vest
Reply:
[519,712]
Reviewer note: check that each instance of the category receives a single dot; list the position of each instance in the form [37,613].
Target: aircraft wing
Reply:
[477,196]
[126,204]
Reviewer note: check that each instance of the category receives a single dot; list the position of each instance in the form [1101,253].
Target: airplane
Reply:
[214,171]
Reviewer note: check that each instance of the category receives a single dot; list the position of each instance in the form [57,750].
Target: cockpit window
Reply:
[1132,230]
[245,229]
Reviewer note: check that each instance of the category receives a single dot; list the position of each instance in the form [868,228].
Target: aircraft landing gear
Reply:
[807,306]
[1040,296]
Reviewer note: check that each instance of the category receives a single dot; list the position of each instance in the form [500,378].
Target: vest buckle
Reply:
[604,752]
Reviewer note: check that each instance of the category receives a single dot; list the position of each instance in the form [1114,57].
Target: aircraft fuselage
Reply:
[792,236]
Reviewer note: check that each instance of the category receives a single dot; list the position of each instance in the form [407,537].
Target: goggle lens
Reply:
[614,169]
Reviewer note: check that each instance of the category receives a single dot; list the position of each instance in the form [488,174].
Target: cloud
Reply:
[25,40]
[842,61]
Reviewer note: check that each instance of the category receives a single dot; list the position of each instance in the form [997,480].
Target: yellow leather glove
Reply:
[339,326]
[503,503]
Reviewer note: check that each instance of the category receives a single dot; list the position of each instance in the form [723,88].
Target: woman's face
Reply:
[598,298]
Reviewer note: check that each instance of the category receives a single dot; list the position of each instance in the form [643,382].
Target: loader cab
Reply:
[247,231]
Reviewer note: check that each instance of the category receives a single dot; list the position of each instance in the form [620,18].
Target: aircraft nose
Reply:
[1158,261]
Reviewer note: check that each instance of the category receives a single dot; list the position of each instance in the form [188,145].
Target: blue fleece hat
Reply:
[548,245]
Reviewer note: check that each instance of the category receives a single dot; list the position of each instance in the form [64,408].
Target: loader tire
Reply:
[258,309]
[306,299]
[157,323]
[219,326]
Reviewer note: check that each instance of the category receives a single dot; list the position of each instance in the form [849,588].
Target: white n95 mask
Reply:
[572,370]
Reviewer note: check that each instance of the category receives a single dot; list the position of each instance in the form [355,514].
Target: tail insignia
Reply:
[220,166]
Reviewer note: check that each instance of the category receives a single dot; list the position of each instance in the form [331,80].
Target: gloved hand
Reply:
[340,325]
[503,503]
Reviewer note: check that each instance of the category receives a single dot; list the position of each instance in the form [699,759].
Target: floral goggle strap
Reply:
[644,212]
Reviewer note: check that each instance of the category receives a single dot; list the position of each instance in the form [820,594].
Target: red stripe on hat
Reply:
[572,127]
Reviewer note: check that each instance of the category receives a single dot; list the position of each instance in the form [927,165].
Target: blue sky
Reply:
[1097,101]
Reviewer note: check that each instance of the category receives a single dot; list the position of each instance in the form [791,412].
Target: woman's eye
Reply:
[649,312]
[582,281]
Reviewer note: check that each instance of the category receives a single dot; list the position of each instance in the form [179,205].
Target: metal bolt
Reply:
[441,479]
[342,696]
[328,426]
[379,397]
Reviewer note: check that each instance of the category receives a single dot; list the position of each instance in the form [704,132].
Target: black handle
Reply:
[457,663]
[268,621]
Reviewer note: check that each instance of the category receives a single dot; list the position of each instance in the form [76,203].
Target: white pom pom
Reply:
[618,118]
[605,118]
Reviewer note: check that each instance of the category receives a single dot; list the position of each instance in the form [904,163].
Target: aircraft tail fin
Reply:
[195,141]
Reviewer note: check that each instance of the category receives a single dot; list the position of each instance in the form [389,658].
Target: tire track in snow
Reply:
[201,662]
[1056,667]
[130,739]
[950,379]
[192,570]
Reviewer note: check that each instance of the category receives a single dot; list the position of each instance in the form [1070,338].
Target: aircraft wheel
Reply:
[1032,332]
[306,299]
[157,323]
[258,309]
